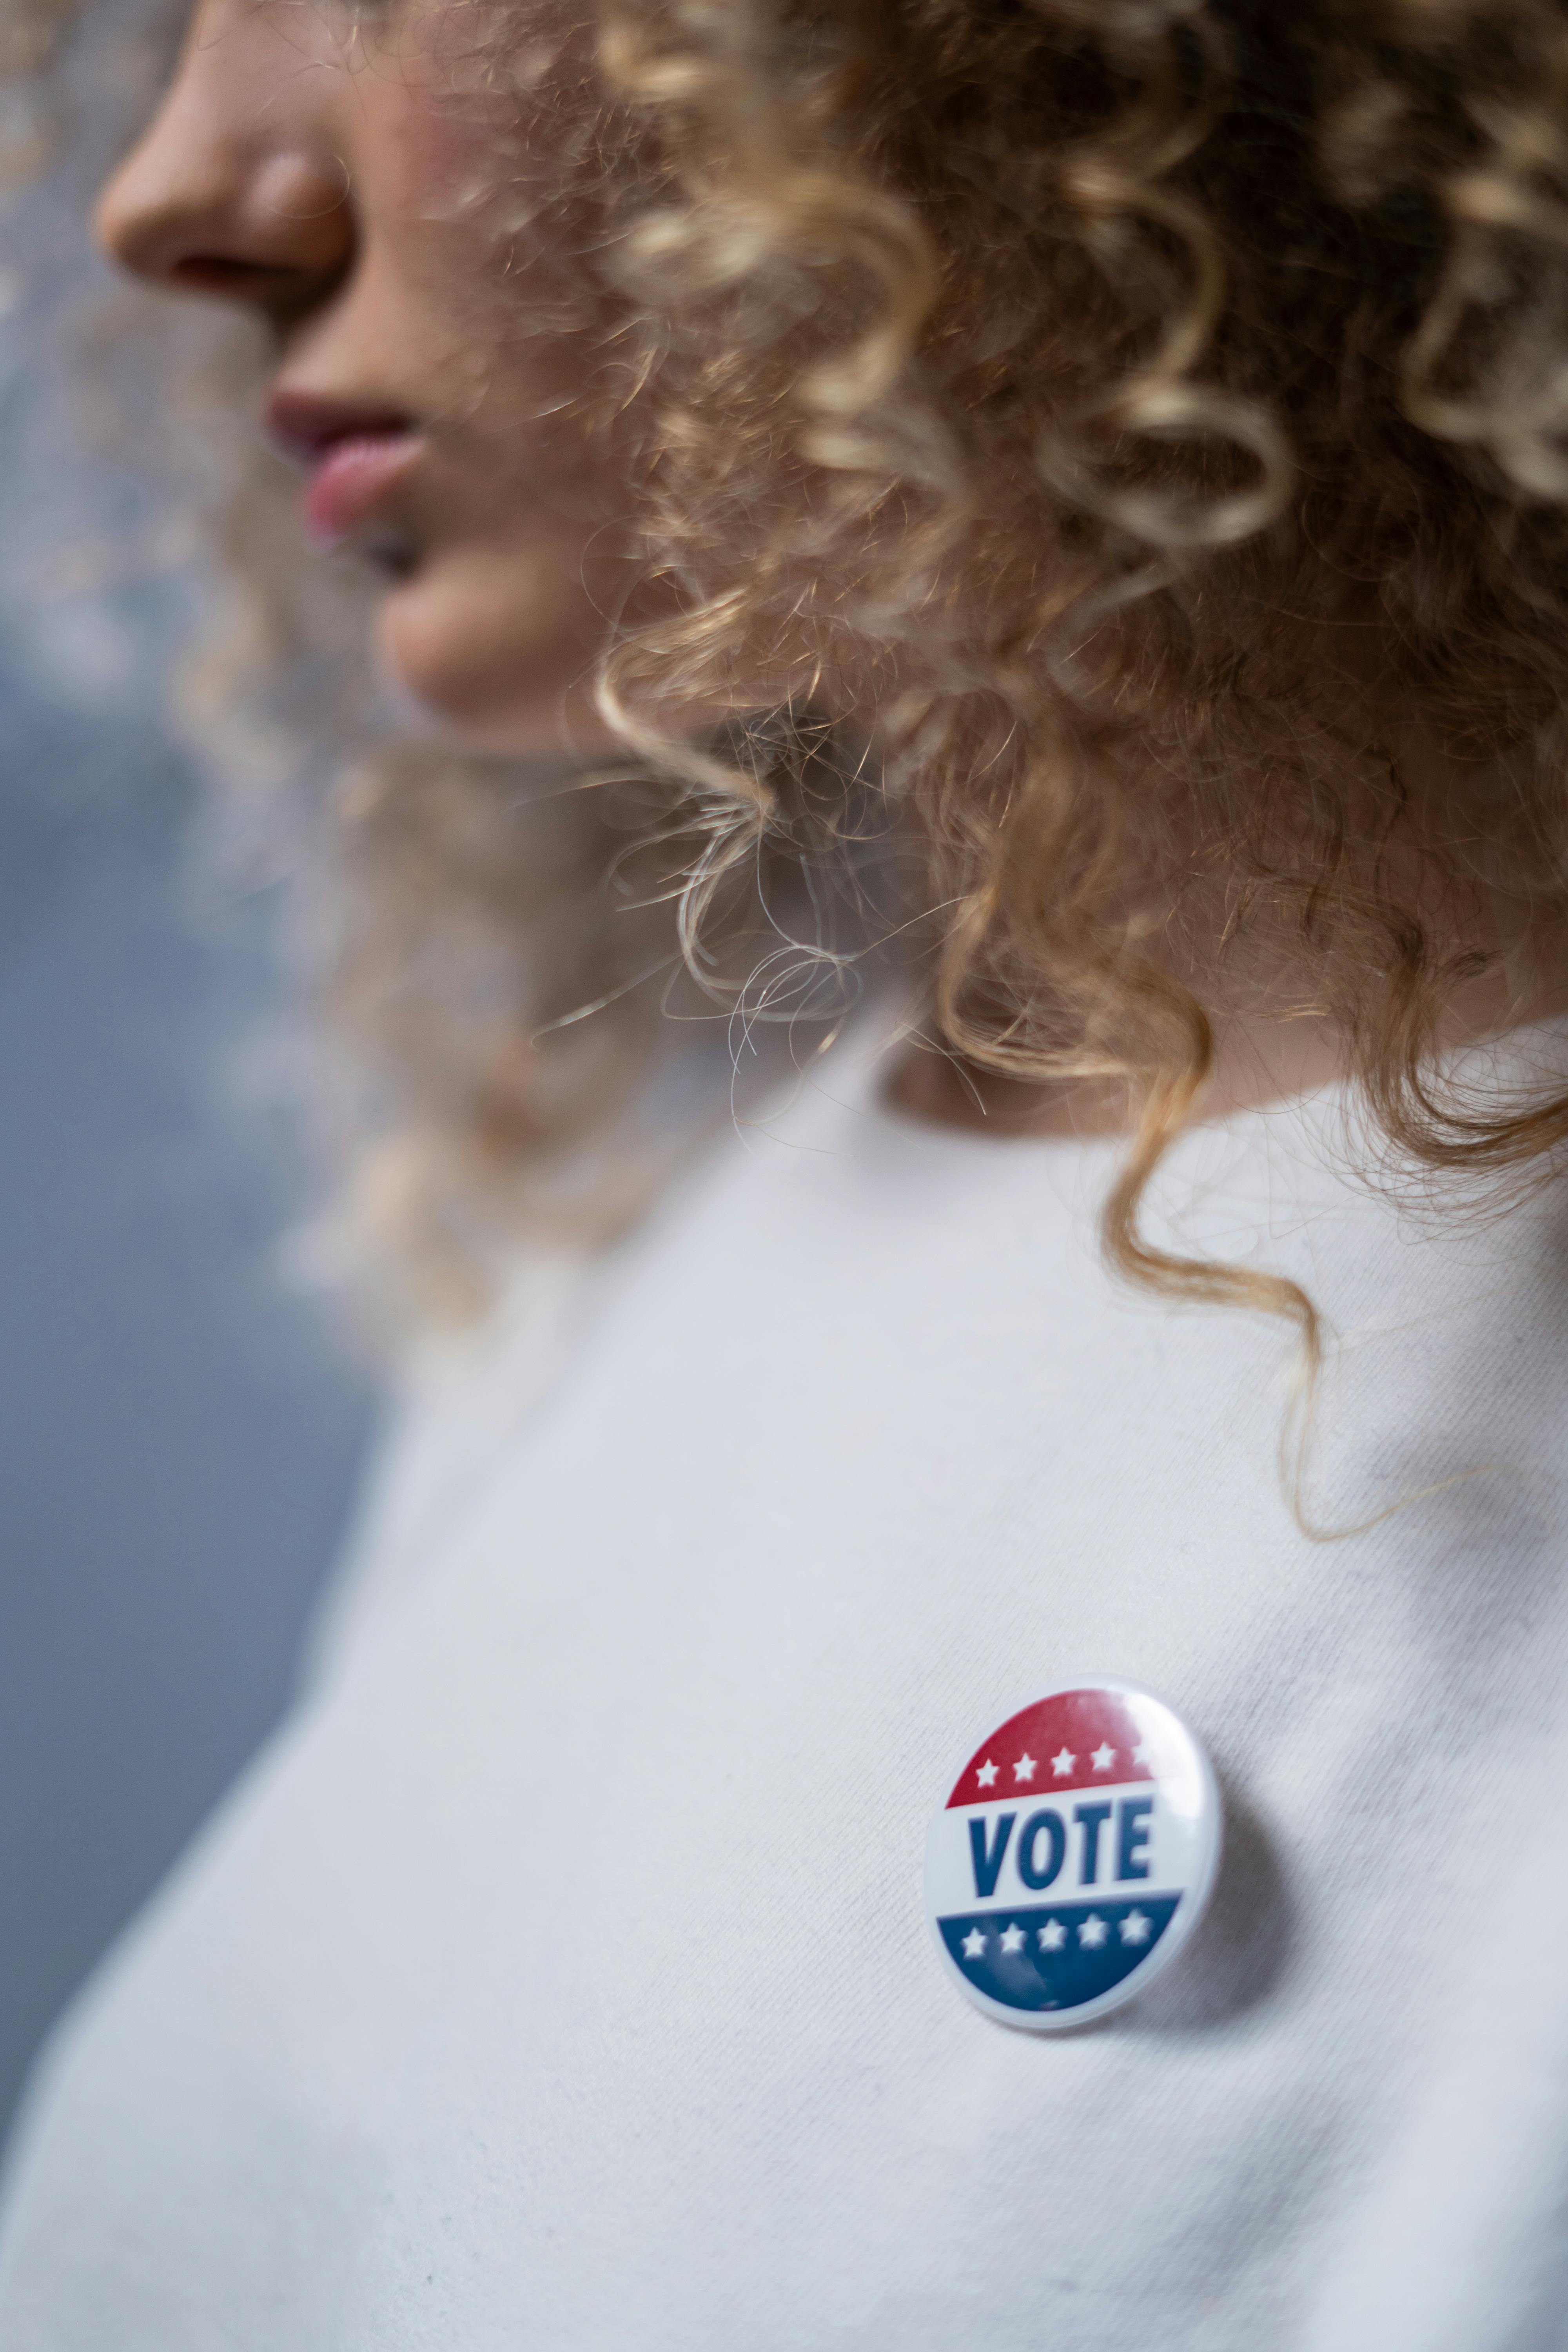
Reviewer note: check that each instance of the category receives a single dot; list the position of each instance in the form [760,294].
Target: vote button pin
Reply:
[1074,1857]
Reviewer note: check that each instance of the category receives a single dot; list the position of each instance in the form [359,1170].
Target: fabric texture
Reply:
[560,1975]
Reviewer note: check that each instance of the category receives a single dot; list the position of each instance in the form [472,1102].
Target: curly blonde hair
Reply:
[1131,416]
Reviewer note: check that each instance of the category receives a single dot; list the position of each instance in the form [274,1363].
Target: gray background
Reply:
[180,1431]
[179,1434]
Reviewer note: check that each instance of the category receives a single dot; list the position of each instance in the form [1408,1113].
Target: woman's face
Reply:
[446,373]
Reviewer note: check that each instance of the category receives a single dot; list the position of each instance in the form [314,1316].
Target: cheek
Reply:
[499,647]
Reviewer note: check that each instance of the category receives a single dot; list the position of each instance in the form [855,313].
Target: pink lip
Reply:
[354,455]
[351,480]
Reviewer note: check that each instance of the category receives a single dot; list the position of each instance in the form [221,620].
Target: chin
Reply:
[494,657]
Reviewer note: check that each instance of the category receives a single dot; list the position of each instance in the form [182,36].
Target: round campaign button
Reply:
[1074,1857]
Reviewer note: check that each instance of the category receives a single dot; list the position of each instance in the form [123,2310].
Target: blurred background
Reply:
[182,1424]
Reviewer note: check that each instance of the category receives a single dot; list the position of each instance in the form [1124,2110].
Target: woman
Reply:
[1078,491]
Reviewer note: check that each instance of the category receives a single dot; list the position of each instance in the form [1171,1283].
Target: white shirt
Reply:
[559,1977]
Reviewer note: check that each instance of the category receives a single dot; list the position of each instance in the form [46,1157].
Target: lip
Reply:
[354,454]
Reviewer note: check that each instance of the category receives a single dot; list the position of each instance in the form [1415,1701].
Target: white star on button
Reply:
[985,1773]
[1134,1929]
[1104,1757]
[973,1944]
[1091,1932]
[1063,1762]
[1052,1935]
[1024,1769]
[1013,1938]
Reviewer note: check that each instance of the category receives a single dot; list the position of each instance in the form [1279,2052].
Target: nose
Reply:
[237,190]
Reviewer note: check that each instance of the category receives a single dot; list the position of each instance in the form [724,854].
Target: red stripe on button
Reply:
[1029,1753]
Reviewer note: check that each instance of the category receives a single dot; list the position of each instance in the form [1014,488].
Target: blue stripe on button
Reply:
[1057,1972]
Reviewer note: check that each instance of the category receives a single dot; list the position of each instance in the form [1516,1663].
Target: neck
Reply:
[1283,1020]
